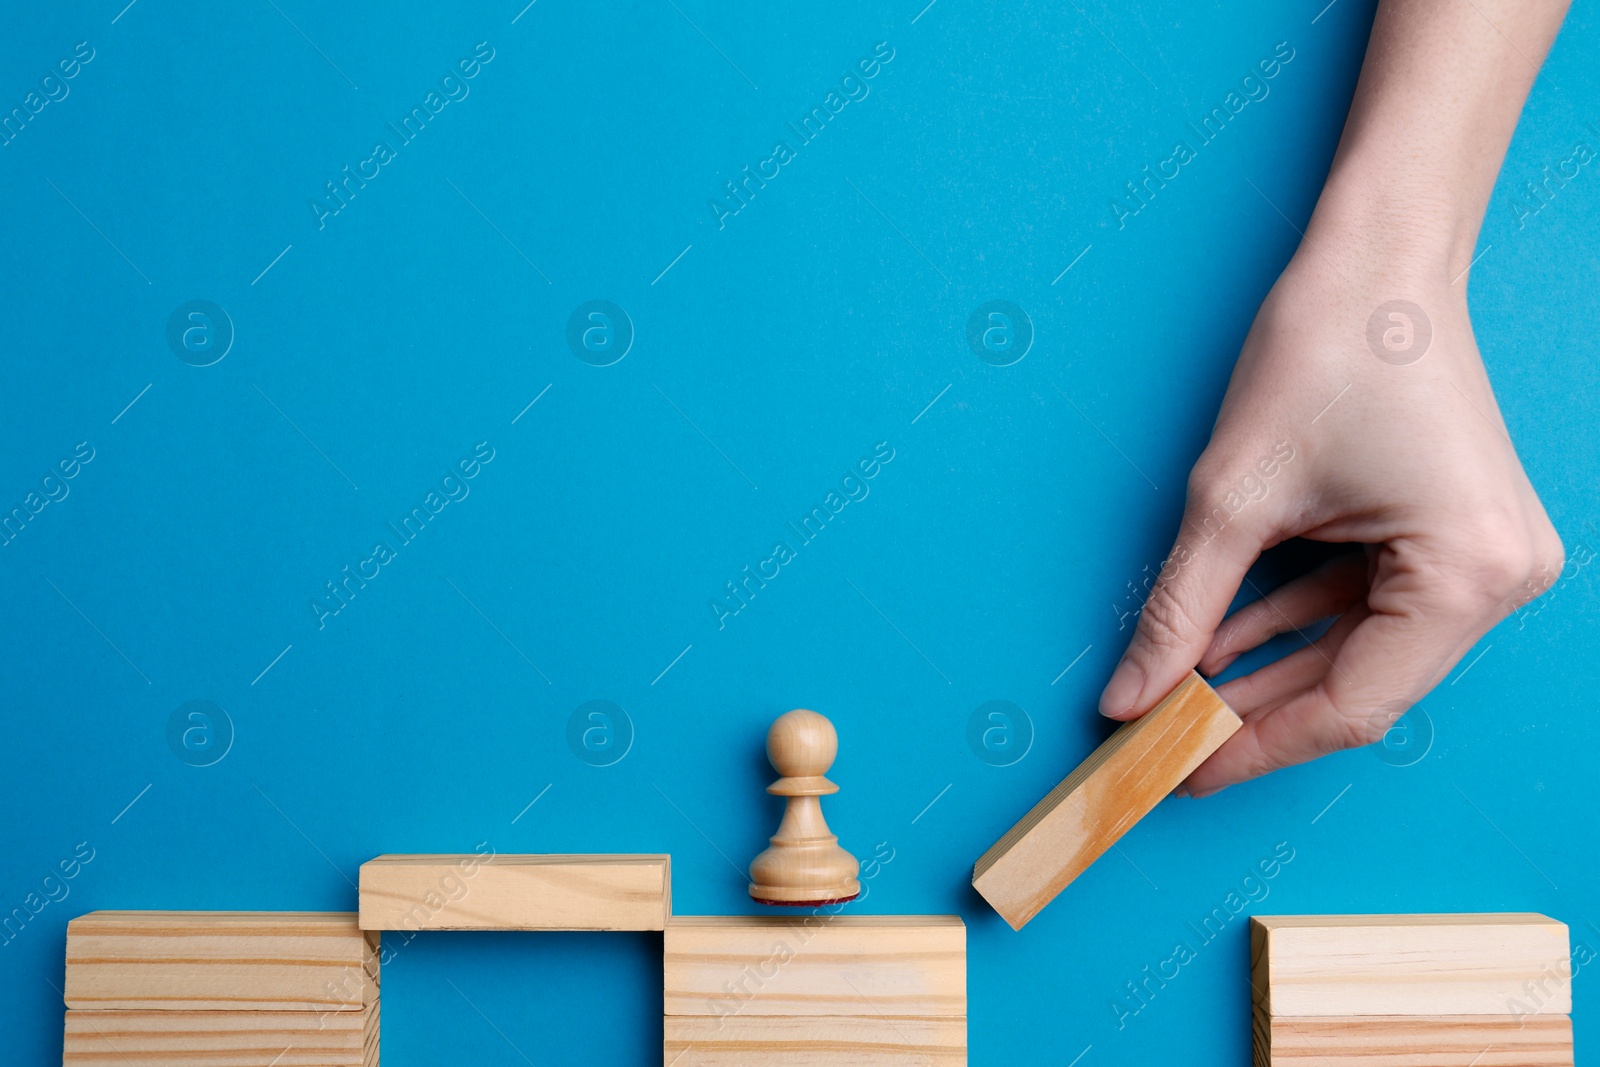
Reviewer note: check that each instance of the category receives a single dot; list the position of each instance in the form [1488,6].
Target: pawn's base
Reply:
[805,896]
[804,903]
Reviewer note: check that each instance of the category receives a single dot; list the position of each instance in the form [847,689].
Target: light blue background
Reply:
[992,552]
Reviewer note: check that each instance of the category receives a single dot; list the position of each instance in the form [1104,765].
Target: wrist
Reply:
[1371,219]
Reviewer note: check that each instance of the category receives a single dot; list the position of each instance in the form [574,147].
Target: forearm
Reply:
[1440,92]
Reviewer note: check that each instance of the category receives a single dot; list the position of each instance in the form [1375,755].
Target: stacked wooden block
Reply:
[300,989]
[221,989]
[816,991]
[1488,990]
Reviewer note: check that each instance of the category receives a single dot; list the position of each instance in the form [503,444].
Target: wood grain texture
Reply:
[866,965]
[815,1041]
[220,960]
[1114,788]
[221,1038]
[1414,1041]
[1472,964]
[516,892]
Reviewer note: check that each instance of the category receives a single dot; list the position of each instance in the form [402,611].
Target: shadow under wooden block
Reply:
[1414,1041]
[222,1038]
[220,960]
[815,1041]
[1472,964]
[1119,784]
[563,999]
[816,965]
[516,892]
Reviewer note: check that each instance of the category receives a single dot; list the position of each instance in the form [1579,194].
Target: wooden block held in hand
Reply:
[815,1041]
[866,965]
[1118,785]
[1474,964]
[1413,1040]
[512,892]
[222,1038]
[220,960]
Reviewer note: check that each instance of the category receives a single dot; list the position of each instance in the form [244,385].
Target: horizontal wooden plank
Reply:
[516,892]
[220,960]
[818,964]
[815,1041]
[1472,964]
[221,1038]
[1119,784]
[1414,1041]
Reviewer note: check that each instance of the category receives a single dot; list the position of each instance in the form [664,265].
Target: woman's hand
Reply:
[1359,412]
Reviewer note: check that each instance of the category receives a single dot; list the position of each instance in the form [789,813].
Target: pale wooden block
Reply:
[1120,782]
[221,1038]
[867,965]
[511,892]
[220,960]
[1472,964]
[815,1041]
[1414,1041]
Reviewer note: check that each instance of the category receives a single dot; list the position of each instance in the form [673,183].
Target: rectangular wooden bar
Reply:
[1119,784]
[815,1041]
[516,892]
[818,965]
[1473,964]
[221,1038]
[220,960]
[1414,1041]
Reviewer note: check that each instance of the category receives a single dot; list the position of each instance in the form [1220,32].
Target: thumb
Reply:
[1214,549]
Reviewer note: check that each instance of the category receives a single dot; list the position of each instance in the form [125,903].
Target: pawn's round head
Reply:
[802,744]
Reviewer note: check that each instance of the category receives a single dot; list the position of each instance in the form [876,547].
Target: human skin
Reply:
[1411,465]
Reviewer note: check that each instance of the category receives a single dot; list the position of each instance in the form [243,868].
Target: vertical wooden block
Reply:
[815,1041]
[222,1038]
[1414,1041]
[516,892]
[819,965]
[1114,788]
[220,960]
[1419,965]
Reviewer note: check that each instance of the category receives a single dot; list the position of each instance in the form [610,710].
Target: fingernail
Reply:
[1122,692]
[1181,791]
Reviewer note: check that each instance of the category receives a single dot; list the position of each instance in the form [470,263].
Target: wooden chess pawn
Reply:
[805,865]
